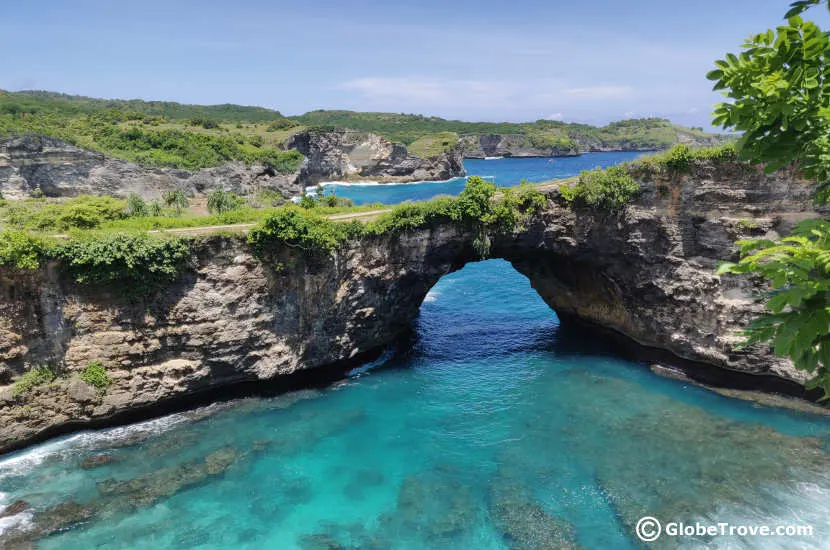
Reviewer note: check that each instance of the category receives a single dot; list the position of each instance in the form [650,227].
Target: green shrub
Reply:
[681,157]
[36,376]
[609,189]
[20,250]
[516,203]
[299,228]
[283,162]
[96,376]
[476,207]
[176,199]
[221,202]
[138,263]
[136,206]
[206,123]
[83,212]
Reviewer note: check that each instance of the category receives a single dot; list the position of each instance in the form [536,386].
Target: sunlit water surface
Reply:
[498,430]
[506,172]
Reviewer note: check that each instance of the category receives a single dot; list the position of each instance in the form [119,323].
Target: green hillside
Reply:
[655,133]
[167,134]
[71,105]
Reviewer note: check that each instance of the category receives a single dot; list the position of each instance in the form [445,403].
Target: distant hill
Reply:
[169,134]
[33,101]
[643,133]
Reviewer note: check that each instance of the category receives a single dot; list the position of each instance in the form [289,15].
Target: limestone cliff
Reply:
[59,169]
[510,145]
[522,145]
[647,273]
[351,155]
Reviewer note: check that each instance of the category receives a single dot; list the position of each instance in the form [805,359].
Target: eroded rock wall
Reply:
[350,155]
[509,145]
[59,169]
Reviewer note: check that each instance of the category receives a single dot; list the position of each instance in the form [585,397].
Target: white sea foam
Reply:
[364,369]
[431,296]
[23,462]
[21,521]
[312,188]
[493,158]
[804,503]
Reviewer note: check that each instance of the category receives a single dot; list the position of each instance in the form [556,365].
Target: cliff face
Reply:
[647,273]
[520,145]
[350,155]
[62,170]
[509,145]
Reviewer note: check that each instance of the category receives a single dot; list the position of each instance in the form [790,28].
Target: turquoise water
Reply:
[505,171]
[498,428]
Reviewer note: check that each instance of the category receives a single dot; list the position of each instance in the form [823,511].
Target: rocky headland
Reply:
[346,155]
[523,146]
[646,273]
[34,165]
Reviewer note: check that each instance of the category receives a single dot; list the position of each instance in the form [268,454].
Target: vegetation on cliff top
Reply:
[778,90]
[475,207]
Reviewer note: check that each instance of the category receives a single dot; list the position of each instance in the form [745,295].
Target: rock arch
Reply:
[646,273]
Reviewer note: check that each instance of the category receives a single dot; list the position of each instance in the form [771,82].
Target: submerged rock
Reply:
[525,524]
[14,508]
[98,460]
[320,542]
[150,488]
[61,516]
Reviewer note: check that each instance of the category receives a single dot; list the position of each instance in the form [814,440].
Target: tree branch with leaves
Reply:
[778,95]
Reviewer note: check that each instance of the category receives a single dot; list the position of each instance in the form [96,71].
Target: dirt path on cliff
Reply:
[368,216]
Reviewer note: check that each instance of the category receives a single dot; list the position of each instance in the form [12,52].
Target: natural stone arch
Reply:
[646,272]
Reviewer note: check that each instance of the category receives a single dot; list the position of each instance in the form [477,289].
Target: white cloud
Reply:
[600,92]
[430,91]
[419,93]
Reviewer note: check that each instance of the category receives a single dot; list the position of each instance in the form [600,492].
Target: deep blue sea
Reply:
[506,172]
[497,428]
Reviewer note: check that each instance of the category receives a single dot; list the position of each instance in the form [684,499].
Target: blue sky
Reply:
[587,61]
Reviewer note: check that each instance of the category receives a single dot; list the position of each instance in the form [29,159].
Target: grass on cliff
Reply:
[432,145]
[610,189]
[96,376]
[32,378]
[681,158]
[474,207]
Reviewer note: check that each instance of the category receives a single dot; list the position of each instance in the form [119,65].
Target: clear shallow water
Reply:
[499,427]
[505,171]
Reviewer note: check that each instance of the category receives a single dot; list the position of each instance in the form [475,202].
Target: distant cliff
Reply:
[351,155]
[524,145]
[32,165]
[513,145]
[58,169]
